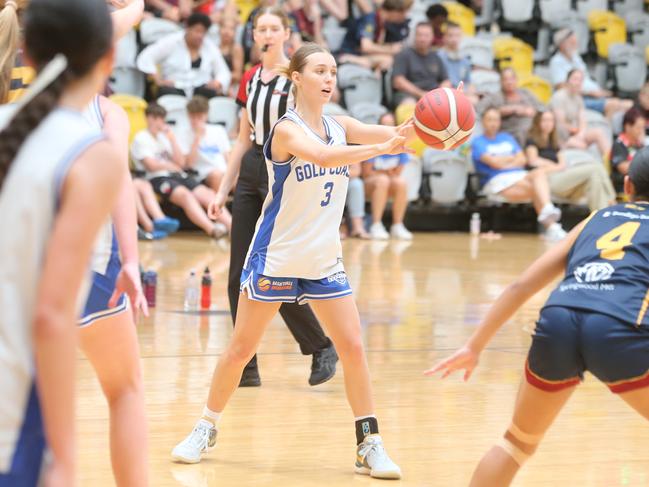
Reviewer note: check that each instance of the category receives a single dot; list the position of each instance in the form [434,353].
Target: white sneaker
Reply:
[554,233]
[219,231]
[549,214]
[372,460]
[400,232]
[201,440]
[378,232]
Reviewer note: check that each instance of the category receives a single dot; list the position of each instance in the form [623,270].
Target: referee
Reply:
[264,96]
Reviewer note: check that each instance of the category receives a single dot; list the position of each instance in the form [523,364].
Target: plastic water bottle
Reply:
[206,289]
[150,280]
[475,224]
[192,290]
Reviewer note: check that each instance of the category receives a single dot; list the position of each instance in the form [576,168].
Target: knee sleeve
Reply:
[513,450]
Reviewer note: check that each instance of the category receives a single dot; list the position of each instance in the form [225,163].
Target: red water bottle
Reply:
[206,289]
[150,279]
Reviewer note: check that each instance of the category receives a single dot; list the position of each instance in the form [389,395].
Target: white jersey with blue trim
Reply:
[106,242]
[297,232]
[28,207]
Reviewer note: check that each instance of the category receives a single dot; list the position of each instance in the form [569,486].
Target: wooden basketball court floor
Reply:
[418,302]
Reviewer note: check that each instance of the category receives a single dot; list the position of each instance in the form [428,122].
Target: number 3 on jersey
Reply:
[612,243]
[327,197]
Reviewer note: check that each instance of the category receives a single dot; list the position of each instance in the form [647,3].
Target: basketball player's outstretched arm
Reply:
[536,277]
[87,196]
[116,128]
[289,140]
[129,14]
[363,133]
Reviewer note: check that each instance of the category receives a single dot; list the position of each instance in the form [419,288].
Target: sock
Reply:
[211,416]
[366,425]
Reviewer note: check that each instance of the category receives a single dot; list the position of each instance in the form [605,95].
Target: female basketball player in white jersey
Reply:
[296,254]
[58,181]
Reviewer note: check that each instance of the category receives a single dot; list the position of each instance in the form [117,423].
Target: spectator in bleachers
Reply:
[356,203]
[570,112]
[306,18]
[437,16]
[383,179]
[517,106]
[153,224]
[187,61]
[373,38]
[231,51]
[566,59]
[500,164]
[626,145]
[586,179]
[642,104]
[173,10]
[417,69]
[156,151]
[458,67]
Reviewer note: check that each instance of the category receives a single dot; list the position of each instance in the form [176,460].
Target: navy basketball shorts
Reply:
[567,342]
[101,290]
[292,289]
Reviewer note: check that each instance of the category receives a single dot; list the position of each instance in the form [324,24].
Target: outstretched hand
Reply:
[407,130]
[395,145]
[465,358]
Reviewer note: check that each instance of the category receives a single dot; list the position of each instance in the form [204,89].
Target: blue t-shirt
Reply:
[385,161]
[457,69]
[502,144]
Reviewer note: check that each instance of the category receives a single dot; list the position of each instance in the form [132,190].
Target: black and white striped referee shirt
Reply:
[264,102]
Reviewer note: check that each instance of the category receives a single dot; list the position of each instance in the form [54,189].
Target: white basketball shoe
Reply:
[201,440]
[372,460]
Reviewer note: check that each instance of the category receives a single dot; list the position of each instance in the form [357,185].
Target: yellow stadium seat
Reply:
[510,52]
[403,113]
[461,15]
[536,85]
[608,28]
[134,108]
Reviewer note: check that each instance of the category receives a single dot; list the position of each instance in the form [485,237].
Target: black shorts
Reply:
[568,341]
[165,185]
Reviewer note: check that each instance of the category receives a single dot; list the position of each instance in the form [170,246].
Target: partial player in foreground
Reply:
[595,320]
[296,255]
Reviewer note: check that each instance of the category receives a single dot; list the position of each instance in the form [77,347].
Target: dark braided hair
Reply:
[82,31]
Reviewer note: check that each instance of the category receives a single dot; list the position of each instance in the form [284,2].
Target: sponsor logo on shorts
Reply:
[263,283]
[266,284]
[594,272]
[339,277]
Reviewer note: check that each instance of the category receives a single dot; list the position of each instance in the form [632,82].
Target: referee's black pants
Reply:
[248,199]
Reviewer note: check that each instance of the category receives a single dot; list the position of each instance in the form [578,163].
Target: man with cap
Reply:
[567,58]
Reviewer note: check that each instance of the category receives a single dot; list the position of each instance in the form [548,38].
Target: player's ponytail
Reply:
[299,61]
[9,39]
[639,174]
[65,39]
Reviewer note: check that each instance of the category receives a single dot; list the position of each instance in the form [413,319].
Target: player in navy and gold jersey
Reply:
[596,319]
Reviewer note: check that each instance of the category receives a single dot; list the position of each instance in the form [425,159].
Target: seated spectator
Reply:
[231,51]
[517,106]
[570,112]
[186,62]
[500,162]
[153,224]
[373,44]
[383,179]
[417,69]
[588,179]
[626,145]
[173,10]
[565,60]
[306,18]
[356,203]
[156,152]
[458,67]
[642,104]
[437,16]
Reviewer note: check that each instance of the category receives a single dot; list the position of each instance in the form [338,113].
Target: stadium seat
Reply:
[629,68]
[154,29]
[479,51]
[637,27]
[223,111]
[412,174]
[176,106]
[134,108]
[585,7]
[517,11]
[128,81]
[333,109]
[333,33]
[447,174]
[358,84]
[510,52]
[551,9]
[608,28]
[626,7]
[539,87]
[368,112]
[461,15]
[485,82]
[487,14]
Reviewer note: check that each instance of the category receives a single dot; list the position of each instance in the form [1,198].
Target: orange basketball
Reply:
[444,118]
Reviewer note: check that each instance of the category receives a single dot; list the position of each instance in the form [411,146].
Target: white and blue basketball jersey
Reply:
[106,243]
[297,232]
[28,207]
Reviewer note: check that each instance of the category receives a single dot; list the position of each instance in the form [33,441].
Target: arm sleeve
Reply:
[244,86]
[151,56]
